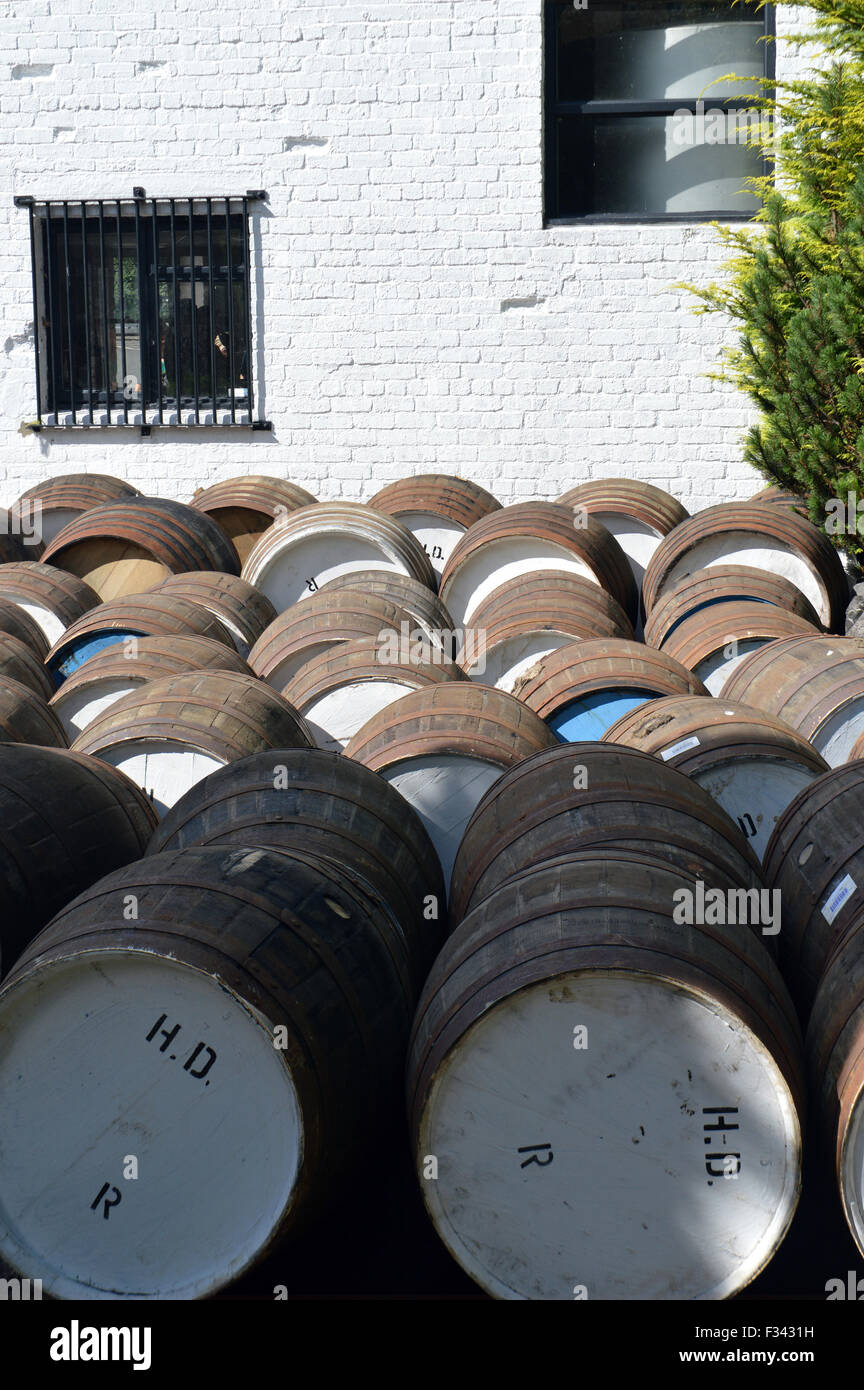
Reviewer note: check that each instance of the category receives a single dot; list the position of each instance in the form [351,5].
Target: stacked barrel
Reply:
[499,795]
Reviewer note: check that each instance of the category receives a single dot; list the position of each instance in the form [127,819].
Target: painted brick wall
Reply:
[418,317]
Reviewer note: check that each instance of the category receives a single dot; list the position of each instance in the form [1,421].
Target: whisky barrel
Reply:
[339,691]
[18,662]
[320,622]
[778,497]
[246,507]
[17,622]
[586,1070]
[140,615]
[815,858]
[750,762]
[588,796]
[116,671]
[241,608]
[86,820]
[321,803]
[637,514]
[443,746]
[816,684]
[713,642]
[767,537]
[584,687]
[50,596]
[238,1018]
[418,600]
[437,509]
[300,552]
[26,717]
[170,733]
[54,502]
[523,621]
[526,538]
[123,548]
[722,584]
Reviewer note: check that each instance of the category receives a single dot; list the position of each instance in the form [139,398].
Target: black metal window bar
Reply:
[143,312]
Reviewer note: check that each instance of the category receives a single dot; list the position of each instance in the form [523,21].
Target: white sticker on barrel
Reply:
[680,747]
[836,899]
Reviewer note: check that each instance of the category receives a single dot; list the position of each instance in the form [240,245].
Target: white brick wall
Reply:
[418,317]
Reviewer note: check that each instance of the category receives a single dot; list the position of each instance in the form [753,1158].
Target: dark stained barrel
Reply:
[587,1071]
[53,598]
[235,1018]
[721,584]
[20,540]
[240,607]
[26,717]
[246,507]
[57,501]
[17,622]
[714,640]
[19,663]
[156,614]
[87,820]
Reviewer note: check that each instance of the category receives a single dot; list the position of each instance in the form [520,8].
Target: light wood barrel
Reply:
[597,1082]
[714,641]
[418,600]
[750,762]
[57,501]
[523,621]
[758,534]
[341,690]
[17,622]
[87,820]
[246,507]
[816,684]
[303,550]
[139,615]
[815,858]
[637,514]
[442,747]
[116,671]
[723,584]
[18,662]
[243,1037]
[437,508]
[241,608]
[524,539]
[124,548]
[589,796]
[172,732]
[26,717]
[323,804]
[584,687]
[50,596]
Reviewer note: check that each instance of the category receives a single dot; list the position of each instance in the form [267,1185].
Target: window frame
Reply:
[553,108]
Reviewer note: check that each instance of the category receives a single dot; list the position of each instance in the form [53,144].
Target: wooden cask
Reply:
[637,514]
[524,539]
[713,642]
[235,1018]
[588,796]
[598,1082]
[18,662]
[778,497]
[584,687]
[816,684]
[140,615]
[323,804]
[246,507]
[442,747]
[87,820]
[57,501]
[758,534]
[718,585]
[750,762]
[124,548]
[418,600]
[26,717]
[17,622]
[171,732]
[306,548]
[437,509]
[341,690]
[50,596]
[107,676]
[241,608]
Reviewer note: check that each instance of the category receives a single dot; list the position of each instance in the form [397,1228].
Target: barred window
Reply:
[143,312]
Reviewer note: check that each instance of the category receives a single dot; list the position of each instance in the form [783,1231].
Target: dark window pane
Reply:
[189,324]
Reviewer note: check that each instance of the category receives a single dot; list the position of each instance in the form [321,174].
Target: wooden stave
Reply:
[342,616]
[26,718]
[15,621]
[177,536]
[779,523]
[394,539]
[440,494]
[212,711]
[502,837]
[418,600]
[779,497]
[254,492]
[67,596]
[18,663]
[226,595]
[554,596]
[701,634]
[503,731]
[650,505]
[338,809]
[256,968]
[602,664]
[741,582]
[151,614]
[76,492]
[548,521]
[779,677]
[349,662]
[13,549]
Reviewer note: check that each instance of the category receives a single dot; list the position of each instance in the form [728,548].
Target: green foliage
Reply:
[794,286]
